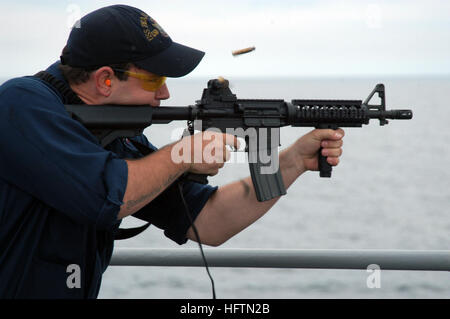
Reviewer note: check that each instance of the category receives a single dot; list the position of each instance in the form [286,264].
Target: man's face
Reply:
[131,92]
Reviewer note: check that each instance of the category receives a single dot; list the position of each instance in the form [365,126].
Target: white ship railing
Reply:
[425,260]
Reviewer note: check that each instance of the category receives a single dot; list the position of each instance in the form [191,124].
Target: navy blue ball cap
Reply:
[119,34]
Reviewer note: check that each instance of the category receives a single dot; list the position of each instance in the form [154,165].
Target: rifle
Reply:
[220,109]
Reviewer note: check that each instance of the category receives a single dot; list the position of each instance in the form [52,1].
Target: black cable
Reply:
[197,236]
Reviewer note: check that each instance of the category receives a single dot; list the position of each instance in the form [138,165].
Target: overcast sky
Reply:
[292,38]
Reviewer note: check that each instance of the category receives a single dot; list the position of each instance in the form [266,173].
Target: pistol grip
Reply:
[325,168]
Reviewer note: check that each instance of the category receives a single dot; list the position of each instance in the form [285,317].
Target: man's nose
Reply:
[162,93]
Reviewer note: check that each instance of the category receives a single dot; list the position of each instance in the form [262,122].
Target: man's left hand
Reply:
[307,148]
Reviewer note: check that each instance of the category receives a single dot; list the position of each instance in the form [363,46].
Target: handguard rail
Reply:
[425,260]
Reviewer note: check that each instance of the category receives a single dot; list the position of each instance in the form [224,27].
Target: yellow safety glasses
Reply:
[148,82]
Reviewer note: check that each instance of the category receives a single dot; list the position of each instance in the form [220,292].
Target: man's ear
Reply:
[104,80]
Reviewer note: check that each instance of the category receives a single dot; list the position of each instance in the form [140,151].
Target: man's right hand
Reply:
[201,153]
[204,152]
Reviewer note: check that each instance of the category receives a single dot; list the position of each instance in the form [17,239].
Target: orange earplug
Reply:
[108,82]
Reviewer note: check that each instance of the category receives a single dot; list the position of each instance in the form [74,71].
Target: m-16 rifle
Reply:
[256,120]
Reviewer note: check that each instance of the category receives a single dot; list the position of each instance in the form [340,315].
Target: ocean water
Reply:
[390,191]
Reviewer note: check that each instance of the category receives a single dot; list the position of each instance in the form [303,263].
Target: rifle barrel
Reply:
[391,114]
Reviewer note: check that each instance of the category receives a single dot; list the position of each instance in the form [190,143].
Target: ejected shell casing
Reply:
[243,51]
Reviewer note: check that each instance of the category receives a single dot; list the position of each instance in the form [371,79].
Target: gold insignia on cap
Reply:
[157,26]
[149,34]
